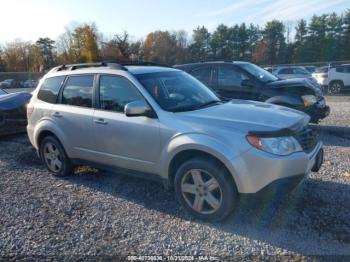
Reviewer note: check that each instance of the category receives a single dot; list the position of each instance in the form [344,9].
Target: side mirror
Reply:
[136,108]
[247,83]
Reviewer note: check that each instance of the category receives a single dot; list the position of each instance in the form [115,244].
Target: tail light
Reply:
[30,110]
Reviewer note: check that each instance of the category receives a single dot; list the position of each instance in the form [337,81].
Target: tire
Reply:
[335,87]
[196,198]
[54,157]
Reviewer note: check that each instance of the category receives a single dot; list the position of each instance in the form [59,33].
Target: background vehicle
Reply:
[244,80]
[2,92]
[13,112]
[311,69]
[30,83]
[161,122]
[9,83]
[334,79]
[289,72]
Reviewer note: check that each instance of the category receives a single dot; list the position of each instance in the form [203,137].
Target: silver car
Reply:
[159,122]
[289,72]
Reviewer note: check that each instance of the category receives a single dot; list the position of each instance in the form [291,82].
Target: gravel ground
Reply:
[95,213]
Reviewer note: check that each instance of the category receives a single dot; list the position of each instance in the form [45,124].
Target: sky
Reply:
[31,19]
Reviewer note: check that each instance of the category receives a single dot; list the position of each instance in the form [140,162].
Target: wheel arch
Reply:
[46,128]
[193,147]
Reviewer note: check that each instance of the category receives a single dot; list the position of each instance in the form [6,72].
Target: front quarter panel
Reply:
[204,143]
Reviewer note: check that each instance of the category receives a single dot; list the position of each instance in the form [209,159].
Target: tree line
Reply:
[324,37]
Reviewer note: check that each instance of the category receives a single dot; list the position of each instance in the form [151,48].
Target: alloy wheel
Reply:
[201,191]
[52,157]
[335,88]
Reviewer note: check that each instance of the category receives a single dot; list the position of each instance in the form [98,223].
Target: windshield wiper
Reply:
[210,103]
[195,107]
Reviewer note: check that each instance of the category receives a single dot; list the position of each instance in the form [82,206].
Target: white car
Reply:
[334,78]
[289,72]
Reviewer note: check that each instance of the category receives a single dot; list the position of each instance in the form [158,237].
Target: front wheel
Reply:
[54,157]
[205,189]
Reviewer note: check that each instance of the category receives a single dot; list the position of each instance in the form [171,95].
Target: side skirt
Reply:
[123,171]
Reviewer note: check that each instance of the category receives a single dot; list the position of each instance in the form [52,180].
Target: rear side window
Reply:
[50,88]
[286,71]
[116,92]
[340,69]
[78,91]
[203,74]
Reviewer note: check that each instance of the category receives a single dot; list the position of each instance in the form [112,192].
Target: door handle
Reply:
[100,121]
[57,114]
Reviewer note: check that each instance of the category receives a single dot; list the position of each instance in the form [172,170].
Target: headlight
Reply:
[275,145]
[309,100]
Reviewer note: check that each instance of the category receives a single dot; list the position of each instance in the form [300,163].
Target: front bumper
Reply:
[256,169]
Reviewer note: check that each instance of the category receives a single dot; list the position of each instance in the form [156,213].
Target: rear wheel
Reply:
[335,87]
[54,157]
[205,189]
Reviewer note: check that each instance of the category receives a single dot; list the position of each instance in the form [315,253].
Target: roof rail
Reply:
[140,63]
[72,67]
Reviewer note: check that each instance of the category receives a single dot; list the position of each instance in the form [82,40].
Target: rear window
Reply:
[50,88]
[78,91]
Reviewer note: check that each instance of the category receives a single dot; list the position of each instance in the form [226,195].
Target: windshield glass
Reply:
[177,91]
[259,73]
[322,69]
[2,92]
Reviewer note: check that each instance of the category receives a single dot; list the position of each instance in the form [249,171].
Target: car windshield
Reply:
[177,91]
[2,92]
[322,69]
[259,73]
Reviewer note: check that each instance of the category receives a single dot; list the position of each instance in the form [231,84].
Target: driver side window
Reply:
[230,77]
[116,92]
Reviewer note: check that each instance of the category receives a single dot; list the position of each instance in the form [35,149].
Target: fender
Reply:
[46,124]
[291,101]
[201,142]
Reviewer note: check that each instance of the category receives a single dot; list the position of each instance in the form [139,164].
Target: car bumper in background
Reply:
[257,169]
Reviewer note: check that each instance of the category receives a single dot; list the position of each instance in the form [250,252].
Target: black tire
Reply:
[66,167]
[227,190]
[335,87]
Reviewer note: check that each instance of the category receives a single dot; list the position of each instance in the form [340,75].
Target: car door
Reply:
[122,141]
[233,82]
[73,115]
[347,76]
[204,74]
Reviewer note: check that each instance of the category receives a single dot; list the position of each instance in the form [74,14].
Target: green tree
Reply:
[221,44]
[273,35]
[46,47]
[199,48]
[346,36]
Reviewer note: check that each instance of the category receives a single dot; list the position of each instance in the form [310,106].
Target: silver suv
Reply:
[162,123]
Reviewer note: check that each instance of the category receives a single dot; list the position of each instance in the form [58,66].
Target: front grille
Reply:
[307,139]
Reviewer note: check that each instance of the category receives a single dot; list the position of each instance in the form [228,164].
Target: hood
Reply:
[245,116]
[297,83]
